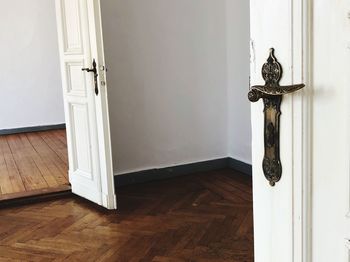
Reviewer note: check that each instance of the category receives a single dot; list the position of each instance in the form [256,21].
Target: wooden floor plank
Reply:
[39,162]
[29,164]
[5,181]
[61,135]
[56,145]
[56,167]
[12,172]
[191,218]
[33,193]
[28,170]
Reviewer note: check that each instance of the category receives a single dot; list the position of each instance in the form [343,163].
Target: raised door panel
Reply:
[76,84]
[71,25]
[82,156]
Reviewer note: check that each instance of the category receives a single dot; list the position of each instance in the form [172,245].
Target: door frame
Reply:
[300,104]
[302,35]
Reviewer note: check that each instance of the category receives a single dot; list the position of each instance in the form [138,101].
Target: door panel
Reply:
[71,26]
[79,128]
[330,69]
[88,136]
[76,85]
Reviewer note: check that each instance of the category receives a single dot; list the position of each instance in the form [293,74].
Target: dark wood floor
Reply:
[33,162]
[204,217]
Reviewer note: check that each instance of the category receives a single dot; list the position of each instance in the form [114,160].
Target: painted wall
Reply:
[31,93]
[238,64]
[173,68]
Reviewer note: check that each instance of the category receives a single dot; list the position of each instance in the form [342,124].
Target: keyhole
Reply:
[270,135]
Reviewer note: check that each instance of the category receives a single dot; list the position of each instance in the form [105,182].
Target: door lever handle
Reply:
[272,94]
[93,70]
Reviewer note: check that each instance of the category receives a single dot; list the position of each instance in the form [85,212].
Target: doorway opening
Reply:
[33,163]
[33,144]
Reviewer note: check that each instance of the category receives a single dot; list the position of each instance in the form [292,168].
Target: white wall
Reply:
[238,80]
[30,83]
[168,81]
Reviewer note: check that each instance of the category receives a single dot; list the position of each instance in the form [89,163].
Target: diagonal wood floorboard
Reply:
[202,217]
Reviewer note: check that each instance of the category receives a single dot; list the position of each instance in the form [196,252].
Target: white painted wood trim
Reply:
[348,152]
[302,128]
[347,250]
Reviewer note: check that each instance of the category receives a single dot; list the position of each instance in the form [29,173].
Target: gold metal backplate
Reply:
[272,94]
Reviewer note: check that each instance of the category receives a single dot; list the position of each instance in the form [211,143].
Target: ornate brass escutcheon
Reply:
[272,93]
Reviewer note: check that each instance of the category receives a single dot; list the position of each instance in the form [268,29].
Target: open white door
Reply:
[279,211]
[330,71]
[85,99]
[305,217]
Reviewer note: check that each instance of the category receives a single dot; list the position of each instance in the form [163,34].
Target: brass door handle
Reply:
[93,70]
[272,94]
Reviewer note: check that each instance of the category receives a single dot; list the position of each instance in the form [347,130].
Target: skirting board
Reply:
[240,166]
[181,170]
[31,129]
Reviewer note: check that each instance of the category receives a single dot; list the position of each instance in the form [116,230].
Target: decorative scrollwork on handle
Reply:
[272,93]
[94,71]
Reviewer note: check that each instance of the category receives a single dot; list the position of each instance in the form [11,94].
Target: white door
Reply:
[330,129]
[86,110]
[306,215]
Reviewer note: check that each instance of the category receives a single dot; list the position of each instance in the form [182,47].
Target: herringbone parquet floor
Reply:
[203,217]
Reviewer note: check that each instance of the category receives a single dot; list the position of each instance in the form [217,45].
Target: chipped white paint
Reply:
[252,55]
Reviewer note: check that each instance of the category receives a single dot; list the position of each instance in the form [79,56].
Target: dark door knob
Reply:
[93,70]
